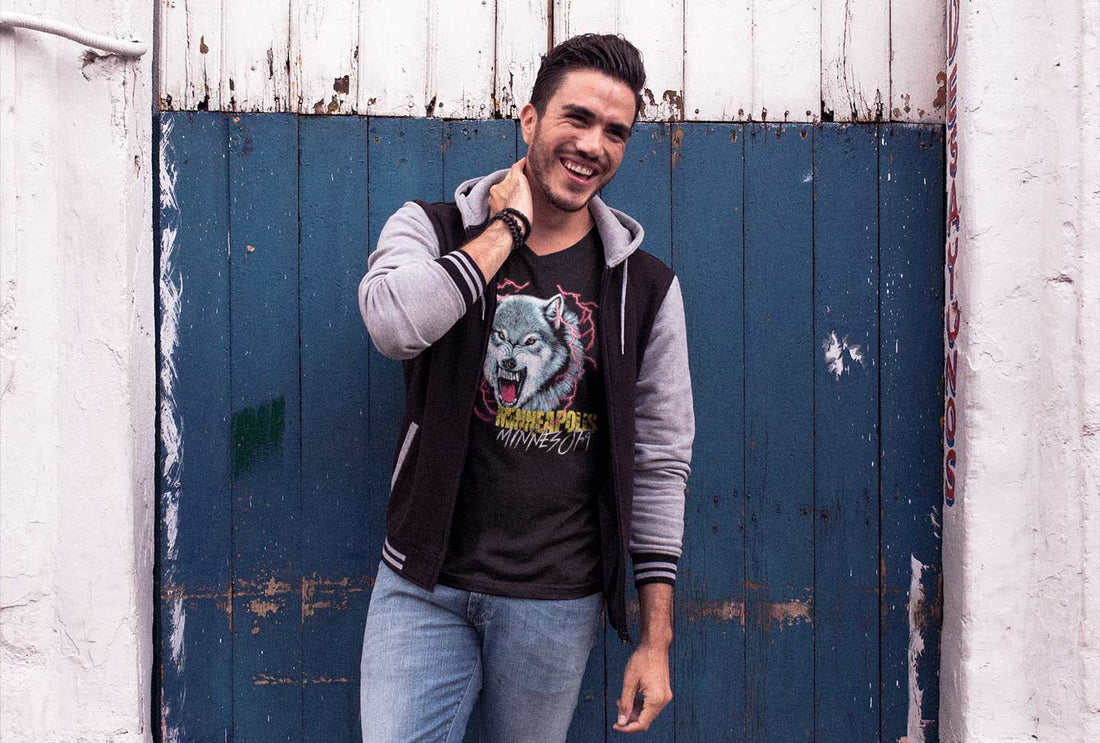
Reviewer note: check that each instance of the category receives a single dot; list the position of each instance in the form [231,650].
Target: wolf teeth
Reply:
[510,376]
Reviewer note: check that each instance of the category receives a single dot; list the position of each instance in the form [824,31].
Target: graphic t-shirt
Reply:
[526,522]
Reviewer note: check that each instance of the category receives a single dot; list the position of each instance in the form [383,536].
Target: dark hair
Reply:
[610,54]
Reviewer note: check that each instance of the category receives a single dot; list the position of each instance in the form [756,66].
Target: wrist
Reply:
[656,640]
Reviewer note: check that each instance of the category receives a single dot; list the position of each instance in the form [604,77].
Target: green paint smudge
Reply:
[257,434]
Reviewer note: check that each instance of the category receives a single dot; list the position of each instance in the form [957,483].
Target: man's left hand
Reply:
[647,674]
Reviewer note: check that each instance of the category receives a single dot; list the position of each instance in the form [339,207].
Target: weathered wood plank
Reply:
[656,27]
[522,35]
[707,254]
[717,60]
[335,563]
[265,427]
[405,162]
[324,54]
[918,45]
[779,356]
[461,58]
[256,54]
[786,60]
[190,56]
[194,545]
[855,60]
[911,174]
[572,18]
[475,148]
[641,188]
[846,432]
[393,57]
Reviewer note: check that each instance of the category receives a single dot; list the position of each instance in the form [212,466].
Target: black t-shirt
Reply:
[526,522]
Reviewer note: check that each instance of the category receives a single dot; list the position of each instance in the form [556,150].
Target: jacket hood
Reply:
[621,234]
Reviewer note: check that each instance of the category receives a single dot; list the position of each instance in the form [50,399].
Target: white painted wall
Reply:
[707,60]
[76,380]
[1021,639]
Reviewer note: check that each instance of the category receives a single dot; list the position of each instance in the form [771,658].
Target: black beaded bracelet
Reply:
[509,219]
[523,218]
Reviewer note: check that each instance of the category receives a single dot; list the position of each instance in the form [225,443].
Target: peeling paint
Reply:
[171,424]
[840,355]
[914,729]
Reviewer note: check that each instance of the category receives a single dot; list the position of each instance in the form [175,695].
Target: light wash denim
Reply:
[427,655]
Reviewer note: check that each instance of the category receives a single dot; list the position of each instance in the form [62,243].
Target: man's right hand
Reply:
[513,191]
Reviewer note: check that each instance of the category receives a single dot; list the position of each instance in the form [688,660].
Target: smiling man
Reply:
[547,431]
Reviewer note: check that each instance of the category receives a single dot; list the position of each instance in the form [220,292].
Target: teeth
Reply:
[578,169]
[510,376]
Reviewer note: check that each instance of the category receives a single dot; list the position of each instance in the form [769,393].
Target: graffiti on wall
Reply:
[951,306]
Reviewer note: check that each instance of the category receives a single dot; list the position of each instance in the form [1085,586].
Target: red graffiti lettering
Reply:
[949,422]
[949,477]
[949,370]
[954,319]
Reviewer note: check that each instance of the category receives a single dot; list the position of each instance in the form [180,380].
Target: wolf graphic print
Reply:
[539,352]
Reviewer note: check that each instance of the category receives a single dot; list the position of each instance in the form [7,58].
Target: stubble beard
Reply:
[541,164]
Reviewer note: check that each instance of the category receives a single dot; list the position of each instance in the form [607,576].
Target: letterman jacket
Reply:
[424,302]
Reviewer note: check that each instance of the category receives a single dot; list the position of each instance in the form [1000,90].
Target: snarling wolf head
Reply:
[535,354]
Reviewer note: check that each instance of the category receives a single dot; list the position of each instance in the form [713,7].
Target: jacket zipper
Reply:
[621,559]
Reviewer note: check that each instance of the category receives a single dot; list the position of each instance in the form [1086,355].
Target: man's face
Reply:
[576,145]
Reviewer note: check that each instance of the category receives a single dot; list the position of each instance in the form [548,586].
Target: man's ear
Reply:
[528,117]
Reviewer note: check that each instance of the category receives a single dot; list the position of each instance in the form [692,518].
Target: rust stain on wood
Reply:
[264,679]
[263,608]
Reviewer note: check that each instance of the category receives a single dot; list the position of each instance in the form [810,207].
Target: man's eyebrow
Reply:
[620,130]
[573,108]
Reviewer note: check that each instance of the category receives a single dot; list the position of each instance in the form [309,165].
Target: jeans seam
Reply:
[458,707]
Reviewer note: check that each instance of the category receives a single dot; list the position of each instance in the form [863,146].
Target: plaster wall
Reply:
[1021,639]
[76,379]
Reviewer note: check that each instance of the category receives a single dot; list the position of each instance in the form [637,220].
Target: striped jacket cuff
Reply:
[465,273]
[652,567]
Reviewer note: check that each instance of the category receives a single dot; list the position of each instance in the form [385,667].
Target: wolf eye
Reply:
[500,334]
[530,342]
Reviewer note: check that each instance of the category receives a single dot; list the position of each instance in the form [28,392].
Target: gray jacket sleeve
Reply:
[410,295]
[664,434]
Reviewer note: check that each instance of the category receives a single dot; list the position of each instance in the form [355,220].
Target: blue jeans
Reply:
[428,654]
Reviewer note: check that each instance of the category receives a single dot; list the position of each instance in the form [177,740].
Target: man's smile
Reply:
[578,171]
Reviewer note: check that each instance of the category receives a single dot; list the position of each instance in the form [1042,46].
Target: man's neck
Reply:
[553,229]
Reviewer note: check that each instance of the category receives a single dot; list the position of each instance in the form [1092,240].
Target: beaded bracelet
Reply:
[508,216]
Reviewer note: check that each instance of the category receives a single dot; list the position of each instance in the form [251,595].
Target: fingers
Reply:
[626,699]
[642,720]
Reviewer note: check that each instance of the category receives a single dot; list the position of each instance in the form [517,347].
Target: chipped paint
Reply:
[914,729]
[840,354]
[171,425]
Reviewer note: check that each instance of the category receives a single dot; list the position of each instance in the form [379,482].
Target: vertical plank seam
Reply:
[549,25]
[372,566]
[222,71]
[301,565]
[744,450]
[672,261]
[494,91]
[229,450]
[881,356]
[889,105]
[291,106]
[357,58]
[157,695]
[813,409]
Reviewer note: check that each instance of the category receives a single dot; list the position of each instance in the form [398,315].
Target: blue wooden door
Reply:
[811,261]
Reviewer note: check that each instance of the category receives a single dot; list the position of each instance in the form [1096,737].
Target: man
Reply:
[547,431]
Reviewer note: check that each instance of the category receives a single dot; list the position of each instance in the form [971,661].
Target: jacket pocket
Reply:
[406,445]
